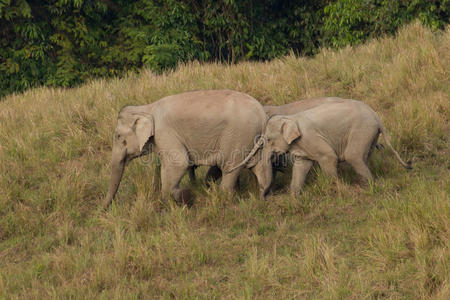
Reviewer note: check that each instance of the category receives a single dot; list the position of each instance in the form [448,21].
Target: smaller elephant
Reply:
[329,133]
[281,162]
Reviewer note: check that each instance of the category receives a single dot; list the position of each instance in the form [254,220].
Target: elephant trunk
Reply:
[117,168]
[258,145]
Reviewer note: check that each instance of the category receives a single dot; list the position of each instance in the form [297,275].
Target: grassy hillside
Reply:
[336,241]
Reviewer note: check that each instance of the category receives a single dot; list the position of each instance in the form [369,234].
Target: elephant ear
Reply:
[290,130]
[144,128]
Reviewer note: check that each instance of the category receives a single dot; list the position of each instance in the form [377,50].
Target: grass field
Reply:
[336,241]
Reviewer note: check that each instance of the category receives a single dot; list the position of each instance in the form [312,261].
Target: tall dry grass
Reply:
[390,240]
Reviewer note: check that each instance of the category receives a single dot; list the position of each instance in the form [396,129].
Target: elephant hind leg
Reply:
[358,152]
[361,168]
[228,182]
[372,146]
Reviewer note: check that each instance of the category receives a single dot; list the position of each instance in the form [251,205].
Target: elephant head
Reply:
[280,133]
[133,131]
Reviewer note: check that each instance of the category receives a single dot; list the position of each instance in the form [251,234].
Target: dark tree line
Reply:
[65,42]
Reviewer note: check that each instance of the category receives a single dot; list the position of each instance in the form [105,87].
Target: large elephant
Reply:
[208,127]
[345,130]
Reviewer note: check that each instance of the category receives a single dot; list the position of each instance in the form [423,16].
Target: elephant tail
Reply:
[258,145]
[388,143]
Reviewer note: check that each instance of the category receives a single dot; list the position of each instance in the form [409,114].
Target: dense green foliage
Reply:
[353,21]
[65,42]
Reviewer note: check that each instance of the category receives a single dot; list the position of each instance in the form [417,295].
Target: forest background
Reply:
[66,42]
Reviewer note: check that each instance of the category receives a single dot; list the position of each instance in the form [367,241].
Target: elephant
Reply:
[342,130]
[280,162]
[204,127]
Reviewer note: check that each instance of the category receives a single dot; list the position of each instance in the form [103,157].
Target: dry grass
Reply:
[336,241]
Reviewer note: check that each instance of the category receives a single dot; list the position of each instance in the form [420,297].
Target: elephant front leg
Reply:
[328,164]
[300,170]
[171,174]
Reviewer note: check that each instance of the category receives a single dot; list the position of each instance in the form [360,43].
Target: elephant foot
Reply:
[271,191]
[183,197]
[296,193]
[364,183]
[106,204]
